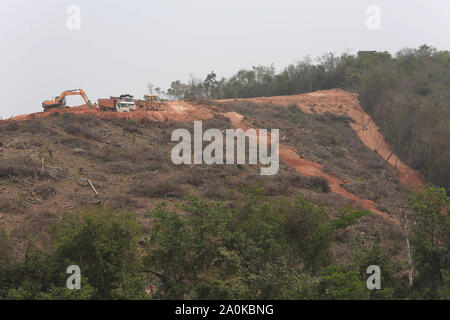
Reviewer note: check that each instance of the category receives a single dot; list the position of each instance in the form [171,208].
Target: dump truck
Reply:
[107,104]
[60,101]
[123,103]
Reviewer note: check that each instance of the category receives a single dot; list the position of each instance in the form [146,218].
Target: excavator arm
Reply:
[85,98]
[59,101]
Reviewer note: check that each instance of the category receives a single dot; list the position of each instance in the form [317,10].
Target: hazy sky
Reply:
[123,45]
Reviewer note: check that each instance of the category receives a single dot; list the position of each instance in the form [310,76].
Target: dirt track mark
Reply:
[311,169]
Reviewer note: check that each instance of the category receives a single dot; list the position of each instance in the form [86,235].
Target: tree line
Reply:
[261,248]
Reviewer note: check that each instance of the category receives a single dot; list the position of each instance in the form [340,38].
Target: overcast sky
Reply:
[123,45]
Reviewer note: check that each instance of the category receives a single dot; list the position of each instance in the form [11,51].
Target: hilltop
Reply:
[336,205]
[331,152]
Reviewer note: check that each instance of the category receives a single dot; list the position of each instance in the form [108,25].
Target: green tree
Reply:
[259,249]
[431,239]
[367,254]
[6,261]
[177,89]
[336,284]
[104,245]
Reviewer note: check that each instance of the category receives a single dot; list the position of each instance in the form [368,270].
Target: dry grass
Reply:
[45,190]
[287,183]
[9,126]
[120,201]
[131,126]
[36,126]
[194,178]
[6,205]
[131,167]
[216,193]
[157,188]
[119,167]
[21,166]
[79,130]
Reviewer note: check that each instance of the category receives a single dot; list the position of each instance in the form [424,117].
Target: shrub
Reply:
[120,201]
[13,205]
[45,190]
[131,126]
[36,126]
[157,189]
[121,167]
[6,205]
[74,142]
[195,178]
[284,181]
[20,166]
[78,130]
[10,126]
[216,193]
[275,188]
[83,119]
[218,122]
[319,183]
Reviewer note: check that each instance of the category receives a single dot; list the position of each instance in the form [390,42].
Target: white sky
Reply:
[122,45]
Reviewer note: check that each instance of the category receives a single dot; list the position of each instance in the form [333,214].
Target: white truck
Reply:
[125,103]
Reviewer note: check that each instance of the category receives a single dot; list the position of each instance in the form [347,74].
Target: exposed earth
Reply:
[331,152]
[337,102]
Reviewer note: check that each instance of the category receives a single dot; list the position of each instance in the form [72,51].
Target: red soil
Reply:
[173,110]
[337,102]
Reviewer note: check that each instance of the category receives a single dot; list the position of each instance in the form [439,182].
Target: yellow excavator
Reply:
[60,101]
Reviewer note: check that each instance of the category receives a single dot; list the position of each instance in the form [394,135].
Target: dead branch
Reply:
[404,223]
[92,186]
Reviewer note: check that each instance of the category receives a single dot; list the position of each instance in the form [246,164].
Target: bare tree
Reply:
[404,223]
[150,87]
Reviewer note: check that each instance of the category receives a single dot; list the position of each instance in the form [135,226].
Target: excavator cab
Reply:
[151,102]
[150,97]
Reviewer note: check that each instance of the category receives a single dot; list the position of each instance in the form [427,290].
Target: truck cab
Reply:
[125,103]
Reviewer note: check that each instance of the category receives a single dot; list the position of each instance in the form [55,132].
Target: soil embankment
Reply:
[343,103]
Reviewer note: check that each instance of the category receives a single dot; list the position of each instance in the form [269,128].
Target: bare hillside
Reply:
[70,159]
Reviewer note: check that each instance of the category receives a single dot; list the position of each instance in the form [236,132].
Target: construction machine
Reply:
[123,103]
[150,102]
[60,101]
